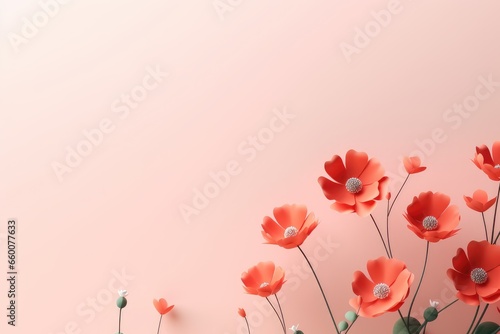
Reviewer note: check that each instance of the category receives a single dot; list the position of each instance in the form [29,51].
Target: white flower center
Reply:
[263,285]
[353,185]
[290,231]
[497,166]
[479,276]
[381,291]
[430,223]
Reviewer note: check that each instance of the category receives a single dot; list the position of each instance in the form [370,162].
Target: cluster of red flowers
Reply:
[356,186]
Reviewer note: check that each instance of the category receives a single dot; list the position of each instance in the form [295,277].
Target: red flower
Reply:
[385,292]
[291,228]
[488,163]
[479,201]
[430,217]
[356,186]
[162,306]
[412,165]
[242,312]
[264,279]
[476,275]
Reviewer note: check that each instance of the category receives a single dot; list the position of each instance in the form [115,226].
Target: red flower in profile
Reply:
[431,217]
[356,186]
[476,275]
[242,312]
[264,279]
[161,306]
[479,201]
[385,290]
[412,165]
[292,226]
[487,162]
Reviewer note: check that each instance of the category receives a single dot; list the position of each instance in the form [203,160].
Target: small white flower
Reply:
[434,303]
[122,293]
[294,328]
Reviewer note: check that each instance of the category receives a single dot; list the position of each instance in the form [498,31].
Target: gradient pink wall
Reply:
[231,66]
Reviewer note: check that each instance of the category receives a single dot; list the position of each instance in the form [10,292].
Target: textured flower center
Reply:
[479,276]
[353,185]
[381,290]
[263,285]
[430,223]
[290,231]
[497,166]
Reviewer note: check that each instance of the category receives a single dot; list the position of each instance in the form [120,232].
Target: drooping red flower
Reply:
[162,306]
[431,217]
[357,185]
[488,162]
[476,275]
[385,290]
[479,201]
[264,279]
[242,312]
[412,165]
[292,226]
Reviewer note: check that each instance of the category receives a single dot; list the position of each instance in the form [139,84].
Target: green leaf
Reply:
[400,326]
[487,328]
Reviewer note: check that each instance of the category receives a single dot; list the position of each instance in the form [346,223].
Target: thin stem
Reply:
[352,323]
[281,310]
[407,325]
[444,308]
[387,231]
[396,197]
[381,237]
[422,326]
[481,317]
[120,321]
[495,218]
[474,319]
[321,289]
[281,322]
[421,279]
[485,229]
[248,326]
[159,324]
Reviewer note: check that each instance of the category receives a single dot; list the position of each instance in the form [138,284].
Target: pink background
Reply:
[119,208]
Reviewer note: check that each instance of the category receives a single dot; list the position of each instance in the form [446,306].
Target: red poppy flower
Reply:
[487,162]
[291,228]
[479,201]
[412,165]
[476,275]
[242,312]
[161,306]
[356,186]
[385,290]
[431,217]
[264,279]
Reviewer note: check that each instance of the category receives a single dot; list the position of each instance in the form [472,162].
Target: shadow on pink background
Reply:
[114,115]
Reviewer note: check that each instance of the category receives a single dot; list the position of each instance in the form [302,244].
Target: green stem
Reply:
[474,319]
[248,326]
[495,218]
[387,231]
[120,321]
[421,279]
[396,197]
[159,324]
[274,308]
[281,311]
[481,317]
[444,308]
[407,325]
[381,237]
[321,289]
[485,229]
